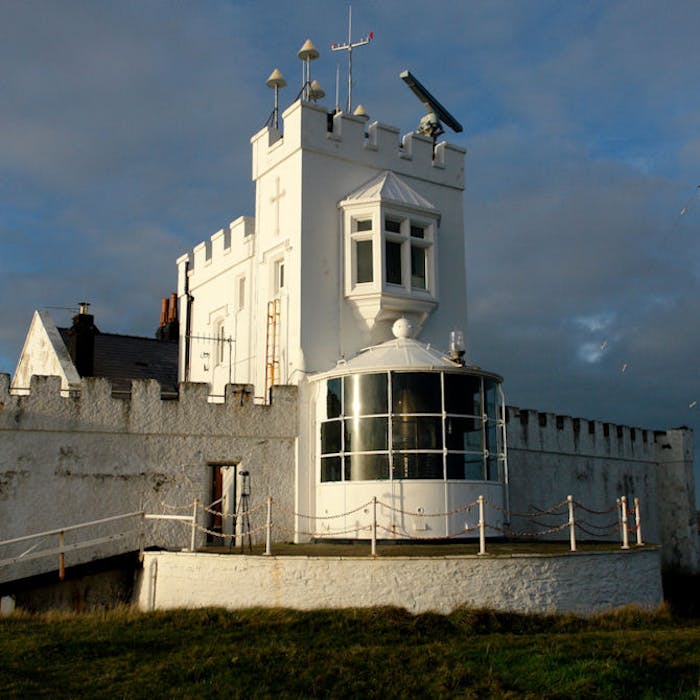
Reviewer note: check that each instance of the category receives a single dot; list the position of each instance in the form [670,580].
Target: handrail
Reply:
[70,528]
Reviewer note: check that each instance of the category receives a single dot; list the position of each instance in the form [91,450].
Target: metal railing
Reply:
[628,521]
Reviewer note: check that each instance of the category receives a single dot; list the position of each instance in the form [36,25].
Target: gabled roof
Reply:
[389,187]
[121,358]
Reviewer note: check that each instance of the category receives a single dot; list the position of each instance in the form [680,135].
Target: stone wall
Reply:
[552,456]
[69,460]
[581,583]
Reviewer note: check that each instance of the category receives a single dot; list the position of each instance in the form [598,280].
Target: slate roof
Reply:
[121,358]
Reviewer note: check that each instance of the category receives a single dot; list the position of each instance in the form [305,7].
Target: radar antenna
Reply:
[430,124]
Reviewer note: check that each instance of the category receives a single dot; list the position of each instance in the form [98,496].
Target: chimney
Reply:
[172,309]
[81,341]
[163,311]
[169,329]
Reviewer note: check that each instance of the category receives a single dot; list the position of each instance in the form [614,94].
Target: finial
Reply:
[402,328]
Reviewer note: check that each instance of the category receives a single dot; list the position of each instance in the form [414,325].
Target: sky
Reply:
[124,141]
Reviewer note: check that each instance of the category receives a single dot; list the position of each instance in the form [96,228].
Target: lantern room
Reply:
[415,428]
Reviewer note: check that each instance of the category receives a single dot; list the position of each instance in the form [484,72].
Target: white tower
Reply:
[354,228]
[356,232]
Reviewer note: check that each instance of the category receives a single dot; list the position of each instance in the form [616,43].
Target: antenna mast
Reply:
[349,46]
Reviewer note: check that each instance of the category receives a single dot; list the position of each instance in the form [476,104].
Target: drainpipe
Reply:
[188,321]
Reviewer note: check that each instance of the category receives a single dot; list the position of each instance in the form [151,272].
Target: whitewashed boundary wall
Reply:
[550,455]
[70,460]
[585,582]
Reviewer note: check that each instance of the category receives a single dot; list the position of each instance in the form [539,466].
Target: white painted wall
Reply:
[65,461]
[582,583]
[44,353]
[301,175]
[551,457]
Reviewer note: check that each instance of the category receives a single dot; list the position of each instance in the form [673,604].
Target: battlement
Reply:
[93,408]
[535,430]
[228,246]
[311,128]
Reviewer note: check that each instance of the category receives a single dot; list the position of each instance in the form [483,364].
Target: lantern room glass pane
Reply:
[463,394]
[416,392]
[461,466]
[330,437]
[365,394]
[366,467]
[417,466]
[490,397]
[333,398]
[463,434]
[492,468]
[331,469]
[366,434]
[416,433]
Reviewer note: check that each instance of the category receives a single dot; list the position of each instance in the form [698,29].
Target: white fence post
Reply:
[268,528]
[194,523]
[482,527]
[572,523]
[625,533]
[142,534]
[374,526]
[638,520]
[61,555]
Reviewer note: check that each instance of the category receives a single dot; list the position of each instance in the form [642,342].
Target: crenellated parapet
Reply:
[550,432]
[225,248]
[344,136]
[94,409]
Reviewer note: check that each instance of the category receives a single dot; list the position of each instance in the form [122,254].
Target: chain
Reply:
[595,512]
[461,509]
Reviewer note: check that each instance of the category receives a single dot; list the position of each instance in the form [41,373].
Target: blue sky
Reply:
[124,141]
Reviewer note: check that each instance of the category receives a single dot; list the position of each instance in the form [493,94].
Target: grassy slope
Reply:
[352,653]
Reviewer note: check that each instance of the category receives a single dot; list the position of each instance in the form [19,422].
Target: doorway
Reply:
[222,505]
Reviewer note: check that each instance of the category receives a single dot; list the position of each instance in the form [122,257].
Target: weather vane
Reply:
[349,46]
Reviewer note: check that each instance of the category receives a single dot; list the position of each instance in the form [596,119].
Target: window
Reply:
[241,293]
[402,250]
[389,250]
[363,258]
[418,268]
[220,341]
[411,425]
[393,262]
[392,226]
[279,276]
[362,251]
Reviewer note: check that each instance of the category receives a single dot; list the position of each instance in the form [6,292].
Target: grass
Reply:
[376,652]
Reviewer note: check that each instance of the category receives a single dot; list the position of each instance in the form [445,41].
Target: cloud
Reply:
[125,142]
